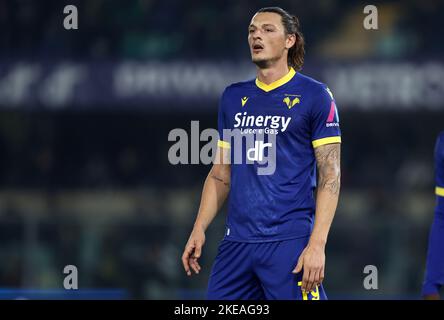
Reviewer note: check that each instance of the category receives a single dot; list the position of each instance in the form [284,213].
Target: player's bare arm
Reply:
[214,194]
[328,163]
[312,259]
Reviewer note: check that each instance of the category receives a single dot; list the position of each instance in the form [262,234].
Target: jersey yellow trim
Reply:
[439,191]
[223,144]
[277,83]
[321,142]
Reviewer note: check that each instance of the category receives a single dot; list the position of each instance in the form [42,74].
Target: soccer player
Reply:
[271,248]
[434,276]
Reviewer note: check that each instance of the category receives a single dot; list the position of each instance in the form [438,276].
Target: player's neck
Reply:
[272,73]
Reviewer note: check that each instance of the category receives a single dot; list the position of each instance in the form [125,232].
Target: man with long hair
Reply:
[276,229]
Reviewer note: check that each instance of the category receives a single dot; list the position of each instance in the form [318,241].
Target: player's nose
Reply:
[256,34]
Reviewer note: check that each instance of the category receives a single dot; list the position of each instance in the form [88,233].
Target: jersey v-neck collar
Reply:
[276,84]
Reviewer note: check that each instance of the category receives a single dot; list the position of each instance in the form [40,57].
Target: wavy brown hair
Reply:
[291,25]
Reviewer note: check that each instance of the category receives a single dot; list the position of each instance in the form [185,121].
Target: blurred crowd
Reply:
[197,29]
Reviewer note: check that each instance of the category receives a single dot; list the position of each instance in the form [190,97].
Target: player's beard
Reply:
[265,63]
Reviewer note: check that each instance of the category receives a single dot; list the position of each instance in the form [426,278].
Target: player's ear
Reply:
[290,41]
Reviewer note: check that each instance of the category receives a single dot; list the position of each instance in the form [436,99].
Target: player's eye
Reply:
[251,31]
[269,30]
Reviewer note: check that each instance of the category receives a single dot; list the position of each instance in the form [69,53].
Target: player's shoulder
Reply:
[316,92]
[439,147]
[239,86]
[235,91]
[312,85]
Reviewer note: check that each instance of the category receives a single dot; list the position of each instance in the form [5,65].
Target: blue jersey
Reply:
[439,175]
[434,277]
[295,114]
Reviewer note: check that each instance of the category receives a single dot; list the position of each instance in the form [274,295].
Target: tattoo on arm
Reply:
[221,180]
[328,163]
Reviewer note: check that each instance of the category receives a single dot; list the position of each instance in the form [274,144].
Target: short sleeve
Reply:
[222,123]
[324,119]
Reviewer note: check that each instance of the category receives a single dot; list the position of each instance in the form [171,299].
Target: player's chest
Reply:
[276,113]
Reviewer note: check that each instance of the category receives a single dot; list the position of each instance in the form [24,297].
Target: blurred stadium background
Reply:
[84,122]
